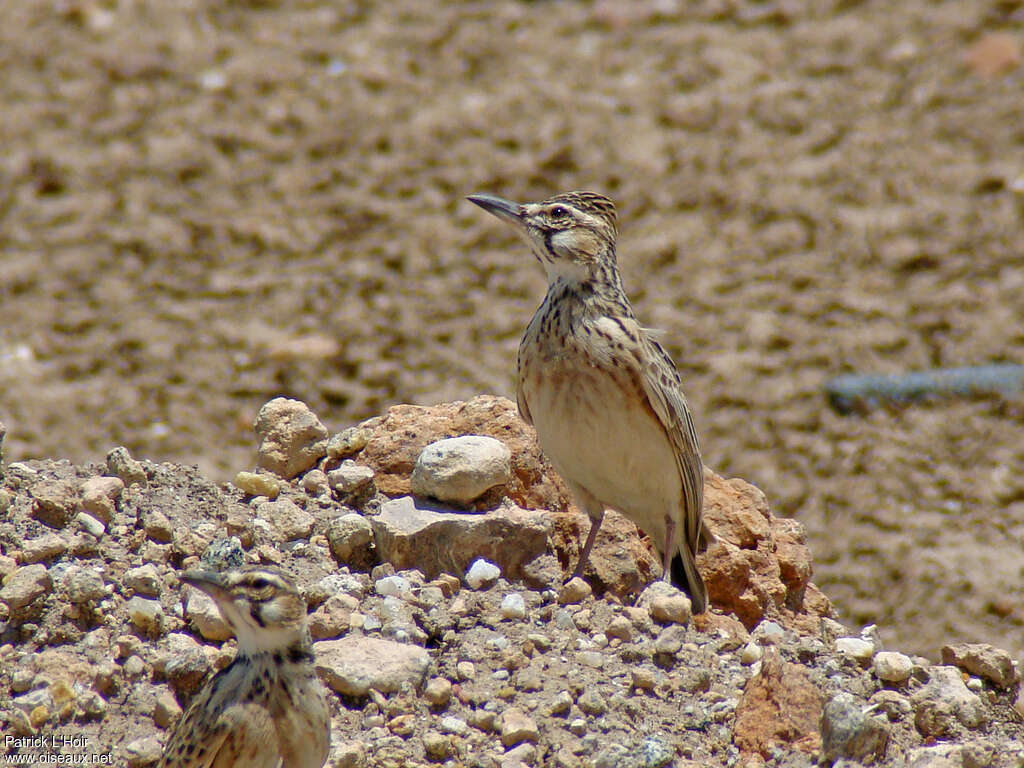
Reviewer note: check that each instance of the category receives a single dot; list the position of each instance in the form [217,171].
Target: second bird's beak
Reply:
[210,582]
[505,210]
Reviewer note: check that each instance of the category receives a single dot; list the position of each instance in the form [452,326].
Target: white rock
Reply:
[147,615]
[513,606]
[202,611]
[354,665]
[461,469]
[144,580]
[856,648]
[481,573]
[750,654]
[393,586]
[892,667]
[350,478]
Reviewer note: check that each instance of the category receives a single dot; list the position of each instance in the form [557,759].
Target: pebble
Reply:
[856,648]
[517,726]
[292,439]
[461,469]
[591,702]
[670,640]
[315,482]
[258,484]
[84,585]
[513,606]
[350,479]
[560,704]
[167,710]
[643,678]
[848,732]
[393,586]
[351,540]
[91,525]
[202,611]
[144,580]
[141,752]
[349,441]
[945,700]
[674,608]
[482,573]
[437,746]
[751,653]
[593,659]
[576,590]
[99,495]
[127,469]
[147,615]
[45,547]
[438,692]
[26,584]
[892,667]
[993,664]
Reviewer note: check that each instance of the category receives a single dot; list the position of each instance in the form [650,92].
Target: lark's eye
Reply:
[260,583]
[559,212]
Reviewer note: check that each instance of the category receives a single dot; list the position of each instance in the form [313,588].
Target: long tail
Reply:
[684,574]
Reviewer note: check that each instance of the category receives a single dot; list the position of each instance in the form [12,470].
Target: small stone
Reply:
[621,628]
[517,726]
[142,752]
[349,441]
[288,518]
[147,615]
[466,670]
[750,654]
[943,701]
[578,726]
[856,648]
[402,725]
[127,469]
[675,609]
[892,667]
[350,479]
[848,732]
[438,692]
[25,585]
[351,540]
[593,659]
[292,439]
[560,704]
[454,725]
[84,585]
[223,554]
[45,547]
[167,710]
[657,752]
[437,746]
[157,526]
[258,484]
[91,525]
[186,663]
[644,678]
[99,496]
[482,573]
[461,469]
[202,611]
[670,640]
[513,606]
[592,703]
[144,580]
[393,586]
[993,664]
[54,503]
[315,482]
[576,590]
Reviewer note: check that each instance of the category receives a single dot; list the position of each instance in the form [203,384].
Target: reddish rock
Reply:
[780,705]
[398,437]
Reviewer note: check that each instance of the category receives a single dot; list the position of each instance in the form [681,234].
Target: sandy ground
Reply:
[204,205]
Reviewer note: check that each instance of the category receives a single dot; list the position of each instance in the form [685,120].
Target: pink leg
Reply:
[670,546]
[595,525]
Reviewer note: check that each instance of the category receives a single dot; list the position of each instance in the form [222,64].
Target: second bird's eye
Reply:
[260,583]
[559,212]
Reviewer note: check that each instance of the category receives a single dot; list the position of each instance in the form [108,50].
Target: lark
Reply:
[267,709]
[605,398]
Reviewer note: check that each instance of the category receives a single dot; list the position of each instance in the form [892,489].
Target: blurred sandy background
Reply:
[207,204]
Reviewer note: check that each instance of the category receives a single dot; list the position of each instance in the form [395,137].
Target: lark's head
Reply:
[261,604]
[572,235]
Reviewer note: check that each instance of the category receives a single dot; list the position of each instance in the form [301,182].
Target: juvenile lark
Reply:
[605,398]
[266,709]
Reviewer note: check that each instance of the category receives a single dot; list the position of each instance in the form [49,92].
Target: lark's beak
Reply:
[505,210]
[210,582]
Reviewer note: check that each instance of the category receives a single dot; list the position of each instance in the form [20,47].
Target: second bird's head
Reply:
[263,607]
[572,235]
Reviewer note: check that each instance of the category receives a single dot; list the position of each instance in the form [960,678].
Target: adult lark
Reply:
[266,709]
[605,398]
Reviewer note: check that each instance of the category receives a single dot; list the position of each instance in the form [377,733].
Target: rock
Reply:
[576,590]
[437,746]
[99,496]
[157,526]
[288,518]
[847,731]
[54,503]
[144,580]
[670,640]
[350,754]
[223,554]
[142,752]
[666,603]
[779,705]
[25,585]
[147,615]
[352,440]
[892,667]
[186,664]
[517,726]
[258,484]
[938,756]
[351,540]
[331,619]
[167,710]
[393,586]
[461,469]
[396,440]
[315,482]
[84,585]
[943,701]
[620,627]
[447,542]
[513,607]
[91,525]
[292,439]
[351,480]
[127,469]
[45,547]
[856,648]
[438,692]
[202,611]
[993,664]
[482,573]
[354,665]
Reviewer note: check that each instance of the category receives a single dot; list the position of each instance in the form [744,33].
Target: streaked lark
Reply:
[267,709]
[605,398]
